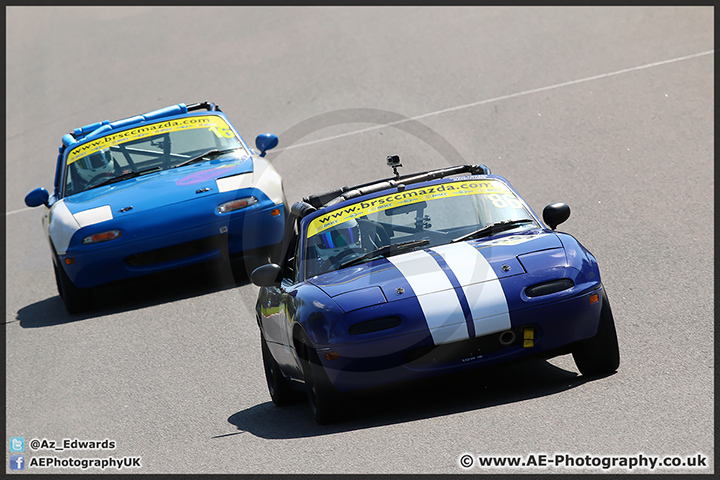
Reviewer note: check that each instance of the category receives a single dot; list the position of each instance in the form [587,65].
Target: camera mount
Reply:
[394,162]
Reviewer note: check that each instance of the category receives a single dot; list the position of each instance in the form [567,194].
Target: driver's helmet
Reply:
[341,237]
[93,165]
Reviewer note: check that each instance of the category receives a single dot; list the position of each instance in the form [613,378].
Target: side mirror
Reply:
[555,214]
[37,197]
[269,275]
[266,141]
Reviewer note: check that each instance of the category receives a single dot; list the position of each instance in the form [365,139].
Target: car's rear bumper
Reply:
[413,356]
[152,251]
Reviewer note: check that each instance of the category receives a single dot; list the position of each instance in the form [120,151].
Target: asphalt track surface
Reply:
[607,109]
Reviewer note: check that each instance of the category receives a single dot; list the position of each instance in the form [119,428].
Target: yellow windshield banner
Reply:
[212,122]
[407,197]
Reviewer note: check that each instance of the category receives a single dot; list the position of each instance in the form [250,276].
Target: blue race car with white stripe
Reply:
[420,275]
[154,192]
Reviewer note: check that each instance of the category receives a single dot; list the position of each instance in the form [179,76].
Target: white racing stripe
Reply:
[439,300]
[468,265]
[93,216]
[422,272]
[481,286]
[444,316]
[234,182]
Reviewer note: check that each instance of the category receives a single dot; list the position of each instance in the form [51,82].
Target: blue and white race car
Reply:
[420,275]
[154,192]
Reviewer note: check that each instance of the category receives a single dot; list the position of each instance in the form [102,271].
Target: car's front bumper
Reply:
[393,359]
[166,245]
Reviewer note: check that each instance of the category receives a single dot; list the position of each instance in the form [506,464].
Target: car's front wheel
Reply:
[600,354]
[322,396]
[76,299]
[280,391]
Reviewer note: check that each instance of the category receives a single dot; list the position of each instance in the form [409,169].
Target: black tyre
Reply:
[280,391]
[275,253]
[322,396]
[76,299]
[252,261]
[599,355]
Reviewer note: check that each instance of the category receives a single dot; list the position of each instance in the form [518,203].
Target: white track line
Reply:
[497,99]
[26,209]
[475,104]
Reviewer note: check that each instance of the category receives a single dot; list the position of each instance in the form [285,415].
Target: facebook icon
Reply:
[17,462]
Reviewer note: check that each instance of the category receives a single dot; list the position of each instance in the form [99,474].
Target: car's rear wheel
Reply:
[280,391]
[322,396]
[243,267]
[600,354]
[275,253]
[76,299]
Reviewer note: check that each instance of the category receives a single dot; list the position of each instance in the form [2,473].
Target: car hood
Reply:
[161,188]
[431,270]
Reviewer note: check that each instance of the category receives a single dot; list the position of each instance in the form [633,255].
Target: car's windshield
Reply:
[148,149]
[421,217]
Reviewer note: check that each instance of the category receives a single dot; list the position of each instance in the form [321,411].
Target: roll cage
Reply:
[98,129]
[318,201]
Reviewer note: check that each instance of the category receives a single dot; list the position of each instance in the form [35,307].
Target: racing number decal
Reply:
[222,132]
[502,201]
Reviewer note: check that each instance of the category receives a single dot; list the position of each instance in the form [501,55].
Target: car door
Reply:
[278,307]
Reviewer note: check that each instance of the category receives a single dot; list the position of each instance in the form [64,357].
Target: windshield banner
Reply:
[212,122]
[407,197]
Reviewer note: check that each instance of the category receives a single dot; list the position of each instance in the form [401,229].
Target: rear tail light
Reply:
[101,237]
[238,204]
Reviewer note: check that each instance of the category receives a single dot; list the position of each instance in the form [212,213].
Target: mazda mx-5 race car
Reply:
[420,275]
[154,192]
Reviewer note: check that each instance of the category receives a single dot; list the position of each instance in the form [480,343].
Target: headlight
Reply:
[238,204]
[101,237]
[546,288]
[374,325]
